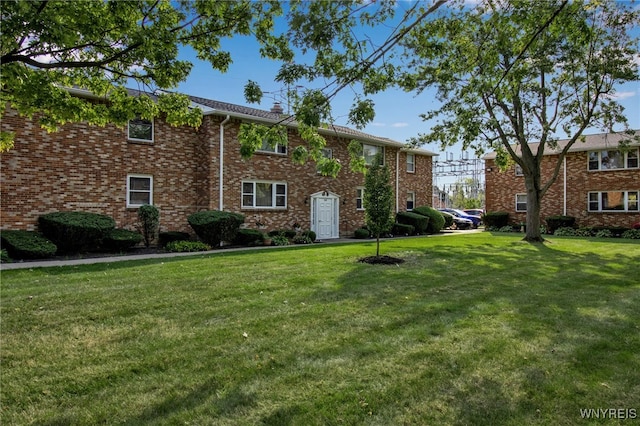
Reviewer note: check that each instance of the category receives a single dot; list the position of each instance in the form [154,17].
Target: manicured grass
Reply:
[471,329]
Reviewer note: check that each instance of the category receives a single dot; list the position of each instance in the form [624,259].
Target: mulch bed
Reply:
[381,260]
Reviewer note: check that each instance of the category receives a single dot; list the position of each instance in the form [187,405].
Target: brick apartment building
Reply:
[181,170]
[598,184]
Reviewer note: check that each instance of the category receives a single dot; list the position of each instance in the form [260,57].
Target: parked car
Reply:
[458,222]
[476,220]
[474,212]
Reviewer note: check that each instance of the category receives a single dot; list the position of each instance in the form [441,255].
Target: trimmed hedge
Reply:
[121,240]
[495,219]
[27,245]
[74,232]
[361,233]
[418,221]
[165,238]
[559,221]
[402,229]
[213,226]
[249,237]
[186,246]
[437,221]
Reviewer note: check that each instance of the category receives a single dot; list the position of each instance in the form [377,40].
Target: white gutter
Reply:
[564,186]
[221,186]
[397,180]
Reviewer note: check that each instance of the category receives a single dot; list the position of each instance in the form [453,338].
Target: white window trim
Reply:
[129,203]
[377,146]
[625,160]
[626,202]
[411,194]
[525,203]
[274,150]
[153,132]
[361,198]
[274,195]
[412,163]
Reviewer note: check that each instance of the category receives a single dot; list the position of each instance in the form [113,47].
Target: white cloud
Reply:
[621,95]
[400,124]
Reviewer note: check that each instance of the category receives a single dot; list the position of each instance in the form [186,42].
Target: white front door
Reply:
[324,214]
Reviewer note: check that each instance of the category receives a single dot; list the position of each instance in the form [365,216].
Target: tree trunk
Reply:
[378,245]
[534,196]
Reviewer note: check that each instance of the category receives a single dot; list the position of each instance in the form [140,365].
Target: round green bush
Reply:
[495,219]
[27,245]
[309,234]
[213,226]
[121,239]
[436,219]
[249,237]
[633,234]
[565,231]
[361,233]
[74,232]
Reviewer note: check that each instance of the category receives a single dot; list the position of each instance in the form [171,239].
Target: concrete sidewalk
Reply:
[113,259]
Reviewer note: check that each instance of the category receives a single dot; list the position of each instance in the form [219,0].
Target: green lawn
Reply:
[471,329]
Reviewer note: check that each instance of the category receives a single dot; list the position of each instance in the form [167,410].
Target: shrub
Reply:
[604,233]
[288,233]
[402,229]
[73,232]
[636,225]
[633,234]
[418,221]
[361,233]
[506,228]
[149,218]
[249,237]
[437,221]
[496,219]
[4,256]
[310,234]
[280,240]
[559,221]
[213,226]
[165,238]
[27,245]
[565,231]
[584,232]
[186,246]
[305,237]
[121,239]
[448,219]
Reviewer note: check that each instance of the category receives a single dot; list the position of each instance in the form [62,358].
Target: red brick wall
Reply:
[502,187]
[84,168]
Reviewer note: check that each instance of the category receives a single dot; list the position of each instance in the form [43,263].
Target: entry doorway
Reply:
[325,215]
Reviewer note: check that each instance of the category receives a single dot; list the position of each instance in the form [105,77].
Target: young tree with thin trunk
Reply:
[378,199]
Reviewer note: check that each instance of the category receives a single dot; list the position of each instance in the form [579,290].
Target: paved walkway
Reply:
[112,259]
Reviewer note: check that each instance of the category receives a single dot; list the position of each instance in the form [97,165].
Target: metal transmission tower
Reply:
[452,175]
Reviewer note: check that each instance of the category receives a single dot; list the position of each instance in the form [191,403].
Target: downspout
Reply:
[221,186]
[397,178]
[564,186]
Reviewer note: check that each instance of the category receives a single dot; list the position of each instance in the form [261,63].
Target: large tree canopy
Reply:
[102,47]
[510,73]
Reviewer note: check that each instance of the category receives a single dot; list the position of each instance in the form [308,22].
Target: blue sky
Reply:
[397,112]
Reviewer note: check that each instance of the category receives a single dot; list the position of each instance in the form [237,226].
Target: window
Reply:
[277,149]
[411,163]
[613,159]
[140,130]
[264,195]
[326,153]
[359,198]
[519,171]
[411,200]
[139,190]
[613,201]
[521,202]
[370,151]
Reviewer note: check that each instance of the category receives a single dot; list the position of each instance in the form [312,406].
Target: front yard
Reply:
[470,329]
